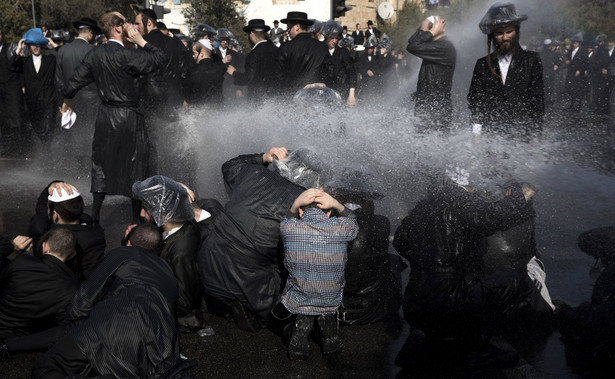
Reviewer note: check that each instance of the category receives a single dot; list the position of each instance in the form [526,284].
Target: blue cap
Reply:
[35,36]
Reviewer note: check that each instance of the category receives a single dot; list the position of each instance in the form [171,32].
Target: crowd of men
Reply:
[280,252]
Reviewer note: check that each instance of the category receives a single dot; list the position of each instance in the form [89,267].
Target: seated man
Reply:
[316,252]
[166,203]
[124,317]
[60,205]
[34,291]
[239,263]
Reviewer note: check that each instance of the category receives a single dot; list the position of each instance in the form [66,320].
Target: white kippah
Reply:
[206,43]
[57,198]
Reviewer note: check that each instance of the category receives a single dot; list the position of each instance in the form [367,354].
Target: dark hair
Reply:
[61,241]
[146,236]
[69,210]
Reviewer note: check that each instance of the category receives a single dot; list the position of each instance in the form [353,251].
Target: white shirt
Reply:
[331,51]
[223,52]
[504,62]
[610,51]
[169,233]
[574,53]
[37,62]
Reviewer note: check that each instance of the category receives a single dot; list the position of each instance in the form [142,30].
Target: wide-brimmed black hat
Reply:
[86,22]
[500,14]
[256,24]
[297,18]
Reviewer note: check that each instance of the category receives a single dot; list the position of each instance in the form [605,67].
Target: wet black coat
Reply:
[433,89]
[34,293]
[126,317]
[339,71]
[520,101]
[241,258]
[10,95]
[369,85]
[120,145]
[577,85]
[261,72]
[300,61]
[206,80]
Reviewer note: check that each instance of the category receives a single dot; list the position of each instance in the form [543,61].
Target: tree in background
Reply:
[218,14]
[15,18]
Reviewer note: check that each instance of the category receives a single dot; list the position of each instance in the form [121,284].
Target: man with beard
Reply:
[86,101]
[507,87]
[433,90]
[120,147]
[260,73]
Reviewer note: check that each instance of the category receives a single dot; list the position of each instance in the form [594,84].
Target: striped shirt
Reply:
[316,251]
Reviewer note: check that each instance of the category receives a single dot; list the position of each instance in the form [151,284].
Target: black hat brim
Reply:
[302,21]
[264,28]
[93,27]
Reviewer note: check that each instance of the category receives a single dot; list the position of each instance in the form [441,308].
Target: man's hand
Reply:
[190,192]
[65,107]
[438,26]
[133,35]
[351,101]
[22,243]
[230,69]
[326,201]
[227,58]
[370,73]
[528,191]
[307,197]
[59,186]
[278,152]
[20,47]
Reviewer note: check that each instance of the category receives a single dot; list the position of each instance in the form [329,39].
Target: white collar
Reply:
[169,233]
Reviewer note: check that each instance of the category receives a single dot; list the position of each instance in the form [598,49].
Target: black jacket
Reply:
[125,312]
[40,86]
[206,80]
[34,293]
[68,59]
[359,37]
[519,101]
[240,260]
[433,89]
[120,147]
[300,61]
[339,71]
[261,72]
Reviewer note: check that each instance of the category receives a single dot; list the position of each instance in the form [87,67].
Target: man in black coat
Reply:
[34,292]
[577,84]
[261,66]
[10,102]
[239,263]
[433,89]
[302,57]
[206,76]
[368,66]
[507,87]
[79,139]
[167,205]
[358,36]
[338,68]
[120,146]
[601,96]
[38,72]
[124,321]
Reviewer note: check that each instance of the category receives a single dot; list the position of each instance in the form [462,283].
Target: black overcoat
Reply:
[120,145]
[240,259]
[520,100]
[300,61]
[206,81]
[339,71]
[261,72]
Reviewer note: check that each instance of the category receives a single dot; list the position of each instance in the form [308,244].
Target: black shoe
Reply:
[299,344]
[492,358]
[329,331]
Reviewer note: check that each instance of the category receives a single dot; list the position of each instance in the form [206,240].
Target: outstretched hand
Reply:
[278,152]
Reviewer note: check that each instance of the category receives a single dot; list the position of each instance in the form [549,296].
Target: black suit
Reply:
[34,293]
[300,61]
[260,73]
[340,73]
[359,37]
[41,96]
[577,86]
[10,99]
[206,78]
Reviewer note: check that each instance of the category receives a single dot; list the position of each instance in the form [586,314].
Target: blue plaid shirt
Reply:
[316,248]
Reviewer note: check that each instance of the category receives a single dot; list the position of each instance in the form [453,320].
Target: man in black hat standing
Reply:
[276,33]
[302,57]
[507,87]
[577,85]
[86,101]
[261,64]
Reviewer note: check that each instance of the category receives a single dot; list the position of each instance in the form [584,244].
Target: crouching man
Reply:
[315,246]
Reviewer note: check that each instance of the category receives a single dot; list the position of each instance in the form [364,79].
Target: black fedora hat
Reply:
[499,15]
[297,18]
[256,24]
[86,22]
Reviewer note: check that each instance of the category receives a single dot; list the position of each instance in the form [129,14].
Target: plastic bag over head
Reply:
[330,28]
[346,42]
[301,167]
[315,27]
[164,199]
[224,33]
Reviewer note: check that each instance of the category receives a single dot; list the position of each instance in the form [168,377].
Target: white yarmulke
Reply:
[548,41]
[206,43]
[58,198]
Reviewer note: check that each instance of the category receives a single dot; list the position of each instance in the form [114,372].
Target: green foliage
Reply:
[408,20]
[15,18]
[595,17]
[218,14]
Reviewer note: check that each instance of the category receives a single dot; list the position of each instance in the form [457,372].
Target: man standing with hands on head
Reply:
[433,90]
[120,145]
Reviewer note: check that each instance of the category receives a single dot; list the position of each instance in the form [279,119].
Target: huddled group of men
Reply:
[283,252]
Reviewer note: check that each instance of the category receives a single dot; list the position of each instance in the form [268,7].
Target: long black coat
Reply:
[496,105]
[206,80]
[261,72]
[433,89]
[126,315]
[240,259]
[300,61]
[339,71]
[577,86]
[34,293]
[120,145]
[10,94]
